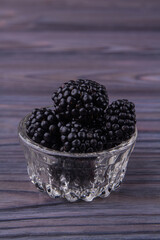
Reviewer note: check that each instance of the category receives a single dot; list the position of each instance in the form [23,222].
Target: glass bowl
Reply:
[75,176]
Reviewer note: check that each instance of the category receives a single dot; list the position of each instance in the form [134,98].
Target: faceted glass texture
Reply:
[75,176]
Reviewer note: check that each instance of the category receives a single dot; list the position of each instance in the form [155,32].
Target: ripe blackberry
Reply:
[78,139]
[120,122]
[81,100]
[42,128]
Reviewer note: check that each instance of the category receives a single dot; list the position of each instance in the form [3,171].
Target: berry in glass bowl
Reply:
[79,149]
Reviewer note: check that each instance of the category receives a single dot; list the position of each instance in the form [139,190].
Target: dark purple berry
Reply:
[43,128]
[120,122]
[82,100]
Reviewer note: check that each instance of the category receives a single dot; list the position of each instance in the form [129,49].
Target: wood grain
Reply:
[44,43]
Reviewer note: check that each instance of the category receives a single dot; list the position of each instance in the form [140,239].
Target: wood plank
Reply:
[61,15]
[44,43]
[79,58]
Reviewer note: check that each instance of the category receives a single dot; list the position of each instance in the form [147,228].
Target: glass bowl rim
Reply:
[37,147]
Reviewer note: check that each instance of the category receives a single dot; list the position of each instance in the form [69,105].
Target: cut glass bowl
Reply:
[75,176]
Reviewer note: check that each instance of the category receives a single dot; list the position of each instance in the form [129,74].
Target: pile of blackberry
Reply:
[82,121]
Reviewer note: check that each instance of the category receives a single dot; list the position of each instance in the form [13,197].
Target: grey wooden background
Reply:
[46,42]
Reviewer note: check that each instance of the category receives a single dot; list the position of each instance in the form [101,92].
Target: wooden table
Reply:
[44,43]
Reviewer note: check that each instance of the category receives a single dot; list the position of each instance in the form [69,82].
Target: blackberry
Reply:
[120,122]
[78,139]
[42,128]
[82,100]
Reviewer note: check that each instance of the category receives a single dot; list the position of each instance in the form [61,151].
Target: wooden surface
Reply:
[44,43]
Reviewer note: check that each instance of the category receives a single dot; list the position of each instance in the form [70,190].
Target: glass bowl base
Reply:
[75,176]
[74,181]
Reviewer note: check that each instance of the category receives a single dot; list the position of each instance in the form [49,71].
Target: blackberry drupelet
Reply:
[81,100]
[42,128]
[120,122]
[78,139]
